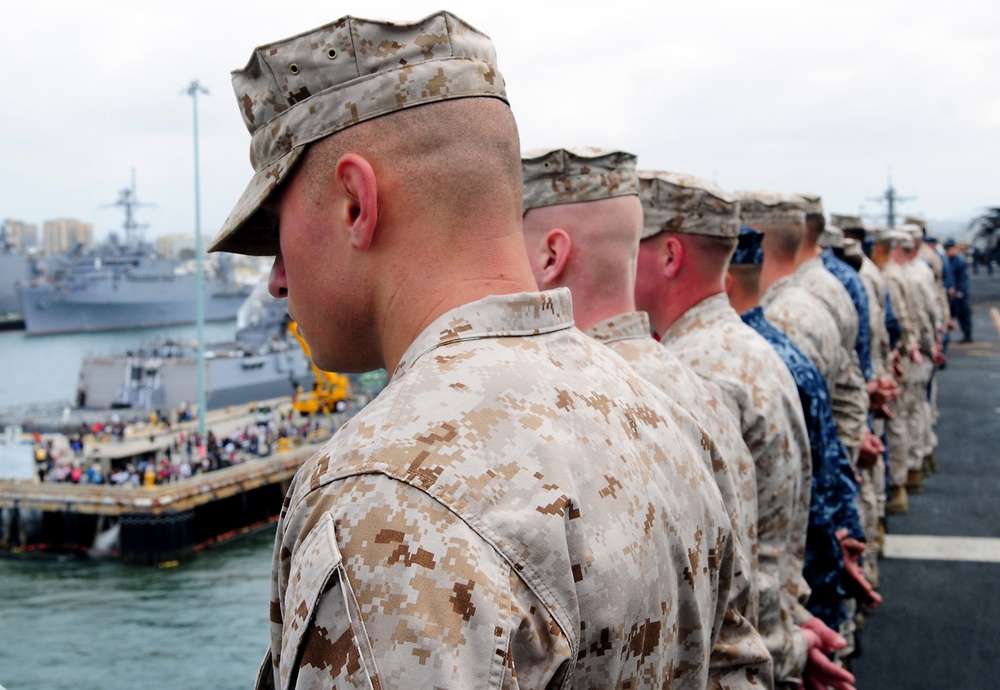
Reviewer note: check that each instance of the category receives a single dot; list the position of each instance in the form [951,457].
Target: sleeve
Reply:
[381,586]
[892,322]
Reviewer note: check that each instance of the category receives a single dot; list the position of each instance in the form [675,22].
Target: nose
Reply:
[277,285]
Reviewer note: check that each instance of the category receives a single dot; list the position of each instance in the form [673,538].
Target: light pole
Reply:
[193,90]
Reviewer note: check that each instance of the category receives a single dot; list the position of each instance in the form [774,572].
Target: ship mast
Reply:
[129,201]
[890,198]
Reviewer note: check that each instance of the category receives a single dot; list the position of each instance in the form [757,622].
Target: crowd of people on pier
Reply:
[187,453]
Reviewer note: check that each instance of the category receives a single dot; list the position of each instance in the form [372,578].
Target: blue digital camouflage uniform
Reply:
[834,489]
[856,289]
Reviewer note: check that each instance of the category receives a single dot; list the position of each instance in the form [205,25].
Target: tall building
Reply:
[62,234]
[19,236]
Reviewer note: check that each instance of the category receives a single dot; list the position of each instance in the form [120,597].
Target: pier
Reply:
[161,525]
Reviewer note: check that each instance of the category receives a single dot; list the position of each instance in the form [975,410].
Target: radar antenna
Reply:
[890,198]
[128,200]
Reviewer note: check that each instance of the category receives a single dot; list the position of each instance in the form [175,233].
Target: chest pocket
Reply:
[323,643]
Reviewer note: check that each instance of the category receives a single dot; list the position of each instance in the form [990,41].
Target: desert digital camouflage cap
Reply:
[761,207]
[915,231]
[814,202]
[301,89]
[847,222]
[915,220]
[852,248]
[676,202]
[832,236]
[569,176]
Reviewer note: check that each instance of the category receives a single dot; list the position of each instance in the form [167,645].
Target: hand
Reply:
[857,584]
[898,370]
[881,391]
[871,448]
[915,355]
[821,673]
[884,413]
[938,357]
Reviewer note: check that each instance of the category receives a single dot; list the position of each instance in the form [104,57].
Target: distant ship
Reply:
[14,271]
[262,362]
[125,285]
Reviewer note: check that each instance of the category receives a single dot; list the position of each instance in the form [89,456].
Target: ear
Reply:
[356,181]
[556,251]
[672,256]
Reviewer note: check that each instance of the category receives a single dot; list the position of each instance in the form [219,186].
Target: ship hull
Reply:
[47,310]
[229,380]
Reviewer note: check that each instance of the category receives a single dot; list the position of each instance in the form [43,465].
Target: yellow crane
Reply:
[330,390]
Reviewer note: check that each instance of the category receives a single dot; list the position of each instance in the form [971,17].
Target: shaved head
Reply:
[450,160]
[781,241]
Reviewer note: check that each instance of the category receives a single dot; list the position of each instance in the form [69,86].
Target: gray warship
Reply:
[261,362]
[15,270]
[121,285]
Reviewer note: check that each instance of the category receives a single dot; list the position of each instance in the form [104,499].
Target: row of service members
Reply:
[543,495]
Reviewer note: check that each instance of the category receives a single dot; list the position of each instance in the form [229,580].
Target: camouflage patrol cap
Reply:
[814,203]
[902,238]
[676,202]
[847,222]
[915,220]
[301,89]
[915,231]
[832,236]
[852,248]
[761,207]
[569,176]
[881,234]
[749,248]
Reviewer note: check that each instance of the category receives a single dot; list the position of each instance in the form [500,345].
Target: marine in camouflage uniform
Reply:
[849,393]
[582,223]
[686,214]
[887,254]
[928,316]
[832,509]
[503,514]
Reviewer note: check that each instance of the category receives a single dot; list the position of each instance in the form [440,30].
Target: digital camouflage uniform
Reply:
[851,281]
[572,177]
[873,479]
[629,335]
[515,509]
[850,393]
[927,316]
[712,340]
[834,490]
[898,433]
[804,319]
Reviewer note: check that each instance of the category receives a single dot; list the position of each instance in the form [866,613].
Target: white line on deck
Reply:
[924,548]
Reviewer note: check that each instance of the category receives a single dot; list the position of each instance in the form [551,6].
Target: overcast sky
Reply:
[795,95]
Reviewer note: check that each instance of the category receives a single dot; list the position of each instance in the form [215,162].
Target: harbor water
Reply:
[91,624]
[101,625]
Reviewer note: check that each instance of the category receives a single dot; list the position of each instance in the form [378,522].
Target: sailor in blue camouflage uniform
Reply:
[833,506]
[849,278]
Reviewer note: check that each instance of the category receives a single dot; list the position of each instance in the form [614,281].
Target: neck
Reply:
[774,269]
[423,285]
[591,307]
[671,310]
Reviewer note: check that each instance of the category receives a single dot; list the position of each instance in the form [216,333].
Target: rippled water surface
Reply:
[85,624]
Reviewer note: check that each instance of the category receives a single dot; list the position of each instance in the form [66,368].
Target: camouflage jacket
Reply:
[834,490]
[712,340]
[629,335]
[851,281]
[503,515]
[920,303]
[805,320]
[875,286]
[849,393]
[898,286]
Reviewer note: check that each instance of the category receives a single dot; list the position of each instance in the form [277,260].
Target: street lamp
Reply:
[193,90]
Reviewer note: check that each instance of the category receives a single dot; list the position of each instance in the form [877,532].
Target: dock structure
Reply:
[159,525]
